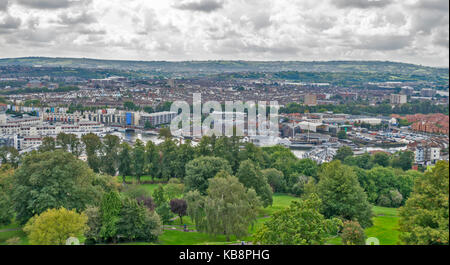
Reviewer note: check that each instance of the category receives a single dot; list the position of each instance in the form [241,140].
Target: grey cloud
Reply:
[439,5]
[81,18]
[383,42]
[441,38]
[4,5]
[48,4]
[206,6]
[360,3]
[9,23]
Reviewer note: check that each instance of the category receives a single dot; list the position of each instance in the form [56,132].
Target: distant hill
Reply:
[212,67]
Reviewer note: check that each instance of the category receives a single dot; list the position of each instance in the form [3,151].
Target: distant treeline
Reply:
[343,78]
[359,109]
[29,90]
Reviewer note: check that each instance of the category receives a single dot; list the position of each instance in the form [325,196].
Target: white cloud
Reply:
[413,31]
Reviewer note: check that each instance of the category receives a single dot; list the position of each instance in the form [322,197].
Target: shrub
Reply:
[384,201]
[353,234]
[396,198]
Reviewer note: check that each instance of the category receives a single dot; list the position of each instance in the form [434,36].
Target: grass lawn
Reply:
[4,236]
[170,237]
[385,226]
[150,187]
[143,178]
[280,202]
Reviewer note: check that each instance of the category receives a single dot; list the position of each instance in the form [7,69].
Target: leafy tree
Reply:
[300,224]
[110,208]
[163,210]
[152,159]
[174,189]
[424,220]
[6,209]
[129,105]
[403,160]
[94,224]
[62,140]
[125,161]
[353,234]
[275,179]
[184,153]
[255,154]
[199,170]
[362,161]
[137,223]
[110,158]
[342,195]
[381,159]
[55,226]
[343,152]
[168,158]
[342,134]
[252,178]
[10,155]
[53,180]
[93,146]
[178,207]
[148,125]
[159,195]
[164,133]
[48,144]
[396,198]
[228,209]
[138,160]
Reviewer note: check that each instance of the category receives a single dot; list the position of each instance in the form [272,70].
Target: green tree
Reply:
[275,178]
[300,224]
[341,194]
[110,208]
[6,209]
[228,209]
[110,158]
[403,160]
[93,146]
[48,144]
[55,226]
[159,195]
[137,223]
[343,152]
[424,220]
[10,155]
[94,224]
[152,159]
[125,161]
[163,210]
[164,133]
[174,189]
[62,140]
[381,159]
[199,170]
[53,180]
[252,178]
[342,134]
[168,158]
[138,160]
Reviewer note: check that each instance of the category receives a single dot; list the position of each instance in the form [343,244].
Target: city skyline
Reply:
[385,30]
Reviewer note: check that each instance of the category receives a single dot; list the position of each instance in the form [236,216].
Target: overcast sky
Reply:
[414,31]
